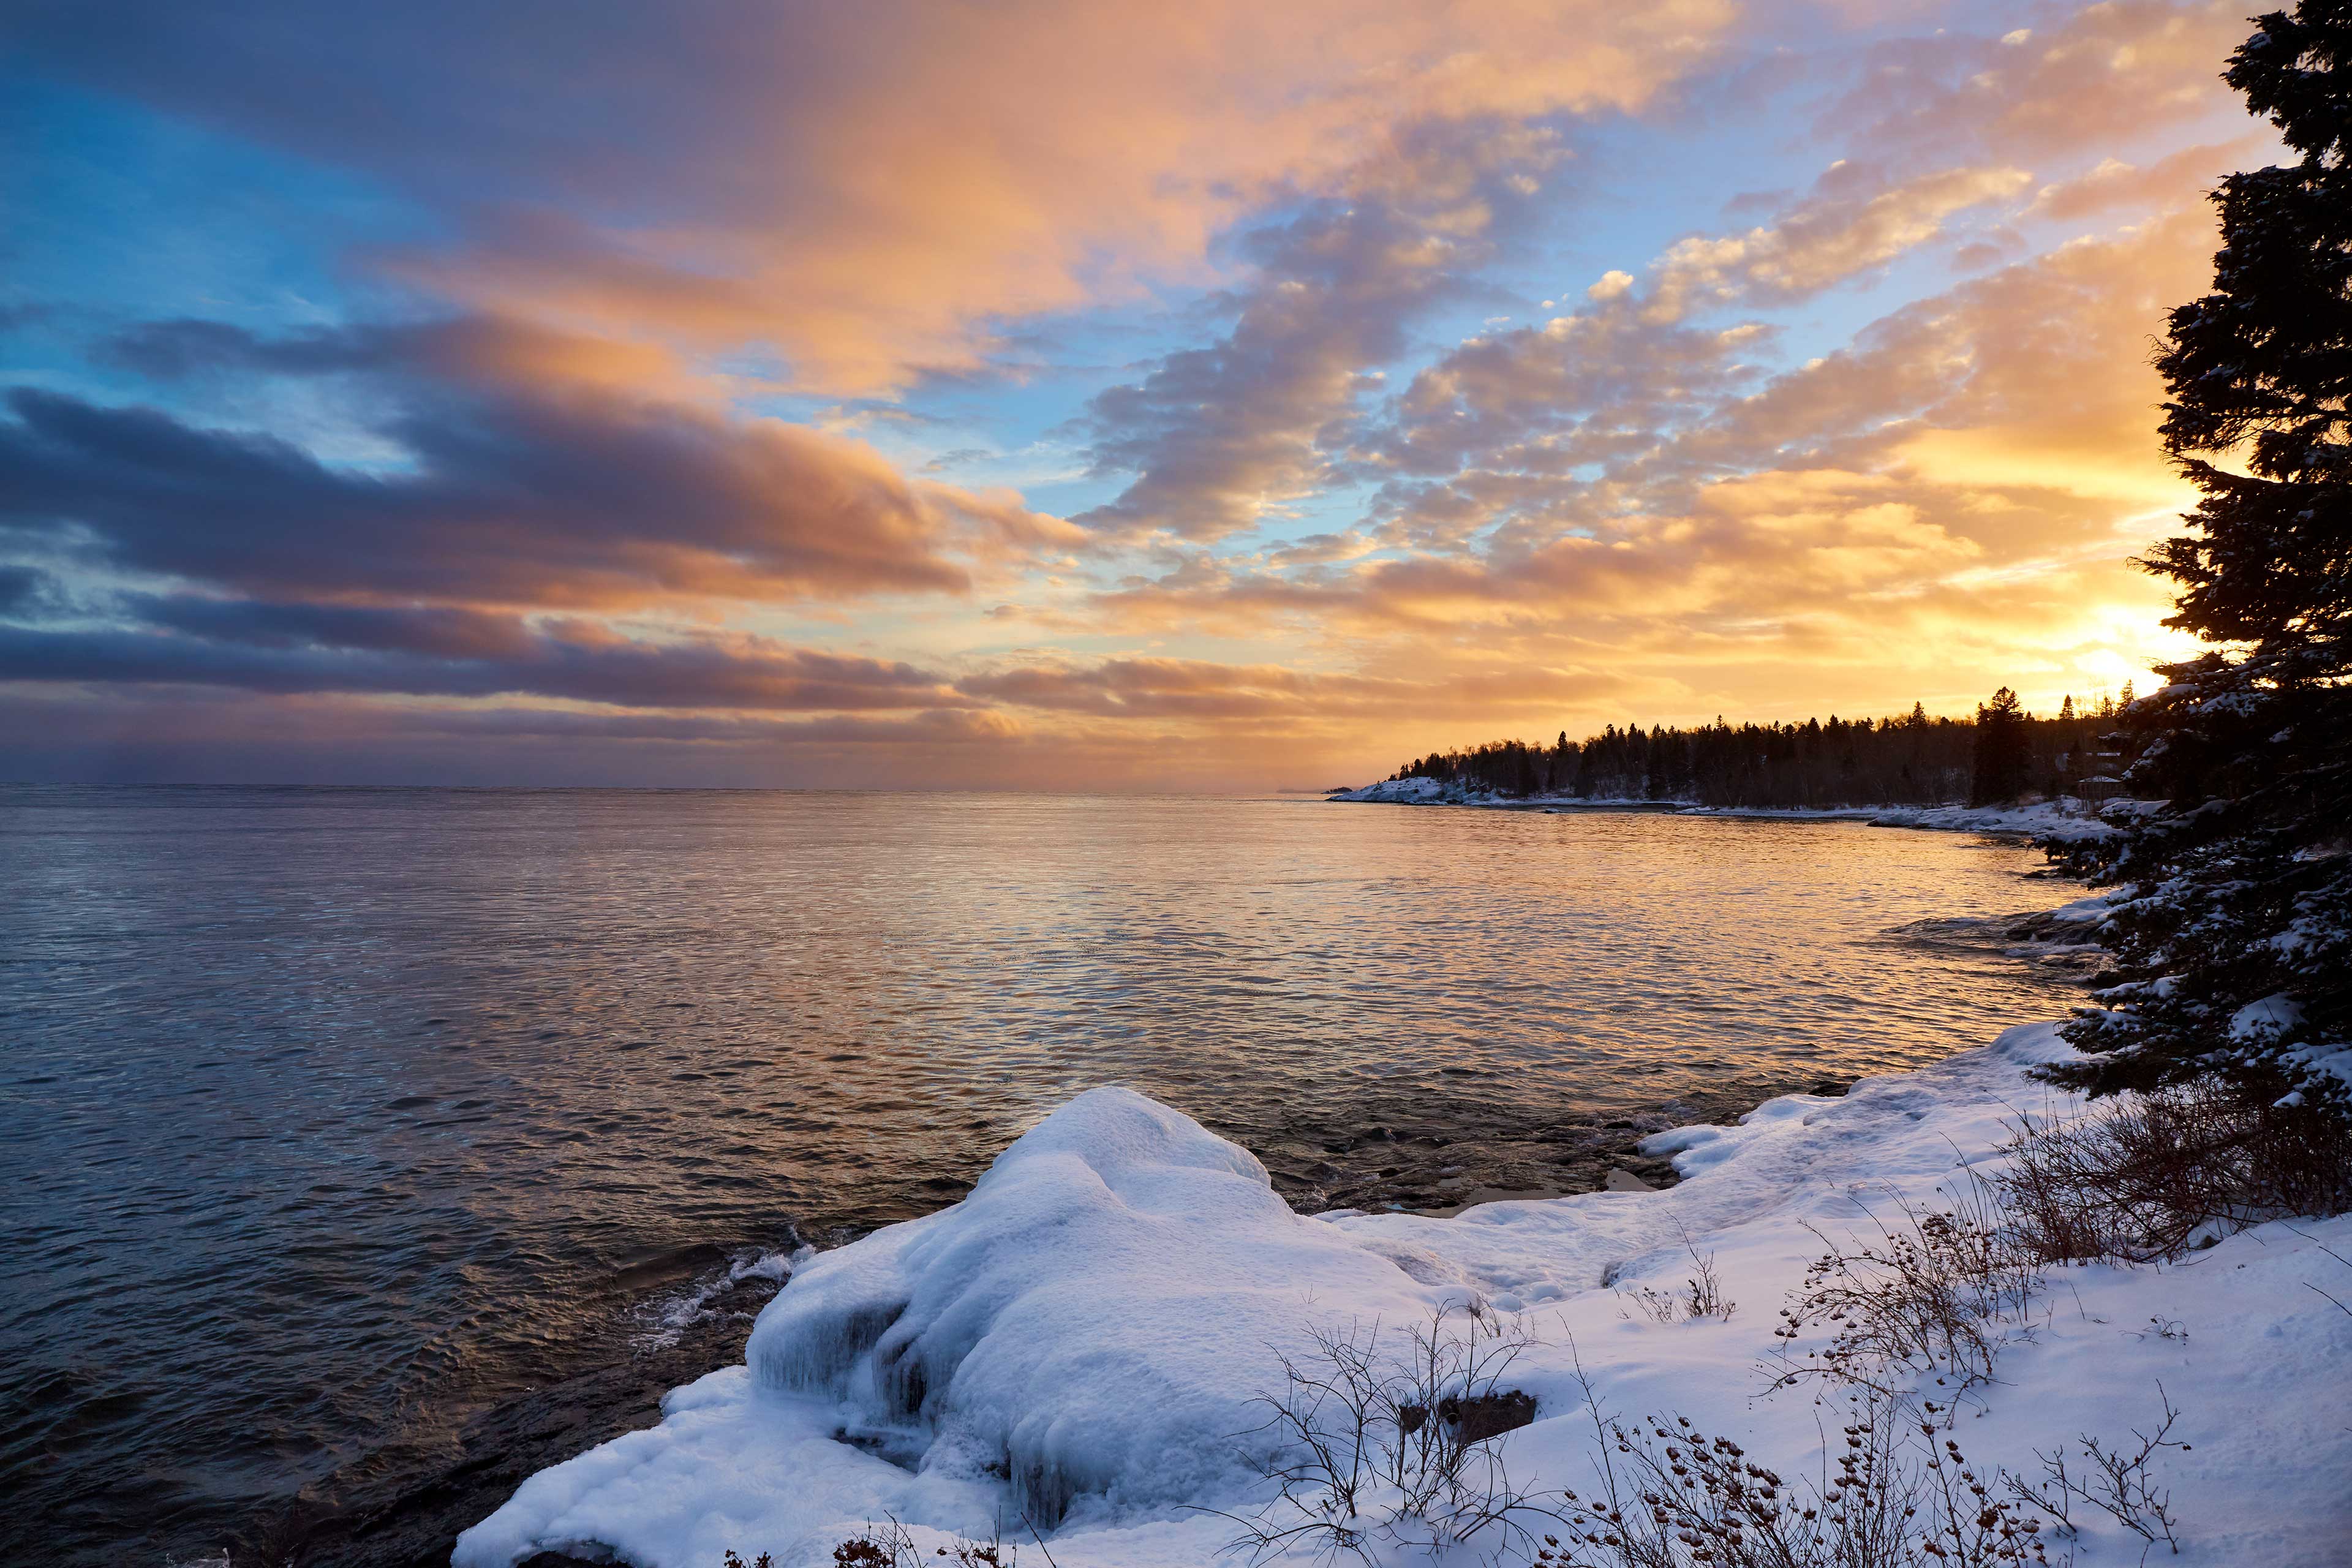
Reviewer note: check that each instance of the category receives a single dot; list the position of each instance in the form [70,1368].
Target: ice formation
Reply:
[1069,1325]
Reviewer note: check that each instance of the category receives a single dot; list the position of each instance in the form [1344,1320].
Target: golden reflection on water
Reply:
[329,1109]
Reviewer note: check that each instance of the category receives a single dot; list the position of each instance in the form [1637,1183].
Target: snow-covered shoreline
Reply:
[2065,820]
[1085,1335]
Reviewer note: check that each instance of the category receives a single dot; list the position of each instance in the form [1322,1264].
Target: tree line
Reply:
[2001,754]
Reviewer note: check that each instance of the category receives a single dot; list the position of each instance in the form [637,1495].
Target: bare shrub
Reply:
[887,1548]
[1672,1495]
[2148,1177]
[1324,1456]
[2115,1479]
[888,1545]
[2329,1296]
[1389,1434]
[1926,1295]
[1701,1295]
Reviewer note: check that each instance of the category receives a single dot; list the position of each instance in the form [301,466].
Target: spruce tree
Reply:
[2002,751]
[2234,936]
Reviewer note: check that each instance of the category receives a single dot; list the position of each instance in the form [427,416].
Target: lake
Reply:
[334,1118]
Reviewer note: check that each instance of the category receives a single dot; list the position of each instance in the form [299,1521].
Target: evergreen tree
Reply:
[2002,751]
[2236,946]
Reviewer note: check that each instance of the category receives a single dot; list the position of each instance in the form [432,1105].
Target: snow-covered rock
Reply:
[1071,1323]
[1417,792]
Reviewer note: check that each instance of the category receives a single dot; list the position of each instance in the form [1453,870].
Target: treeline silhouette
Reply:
[2000,754]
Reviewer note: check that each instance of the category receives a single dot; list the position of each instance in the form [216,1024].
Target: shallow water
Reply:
[334,1116]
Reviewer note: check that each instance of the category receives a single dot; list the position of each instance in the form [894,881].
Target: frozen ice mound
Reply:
[1092,1320]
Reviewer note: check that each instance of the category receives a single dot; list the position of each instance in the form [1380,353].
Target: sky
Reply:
[1222,396]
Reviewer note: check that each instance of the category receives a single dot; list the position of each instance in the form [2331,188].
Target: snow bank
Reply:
[1070,1323]
[1090,1325]
[2065,821]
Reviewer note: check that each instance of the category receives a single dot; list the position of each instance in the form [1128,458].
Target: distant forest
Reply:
[2000,754]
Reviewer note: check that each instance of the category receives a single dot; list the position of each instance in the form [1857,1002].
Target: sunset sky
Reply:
[1201,396]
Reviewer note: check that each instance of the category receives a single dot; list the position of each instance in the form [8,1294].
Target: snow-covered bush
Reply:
[1930,1295]
[2149,1176]
[1672,1495]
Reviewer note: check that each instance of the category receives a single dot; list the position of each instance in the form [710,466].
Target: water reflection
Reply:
[332,1115]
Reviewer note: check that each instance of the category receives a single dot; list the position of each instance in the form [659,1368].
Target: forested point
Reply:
[2002,754]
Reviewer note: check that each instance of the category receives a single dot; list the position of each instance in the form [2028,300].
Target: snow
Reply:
[978,1332]
[1083,1336]
[2091,911]
[1409,792]
[2265,1018]
[2066,820]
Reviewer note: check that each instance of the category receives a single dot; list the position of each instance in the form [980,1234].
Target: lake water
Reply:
[334,1117]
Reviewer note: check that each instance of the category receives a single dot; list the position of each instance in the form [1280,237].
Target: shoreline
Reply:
[415,1519]
[412,1519]
[2064,818]
[1060,1327]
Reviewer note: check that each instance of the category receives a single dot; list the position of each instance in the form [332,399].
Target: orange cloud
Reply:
[894,184]
[2095,76]
[1821,243]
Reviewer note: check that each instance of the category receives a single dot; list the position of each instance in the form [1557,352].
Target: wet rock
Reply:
[1474,1419]
[1489,1414]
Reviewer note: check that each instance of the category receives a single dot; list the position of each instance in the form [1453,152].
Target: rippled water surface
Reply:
[332,1116]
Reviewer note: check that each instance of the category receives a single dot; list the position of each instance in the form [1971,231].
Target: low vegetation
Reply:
[2148,1176]
[1907,1318]
[2117,1478]
[1672,1495]
[1377,1435]
[1701,1296]
[1930,1295]
[890,1545]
